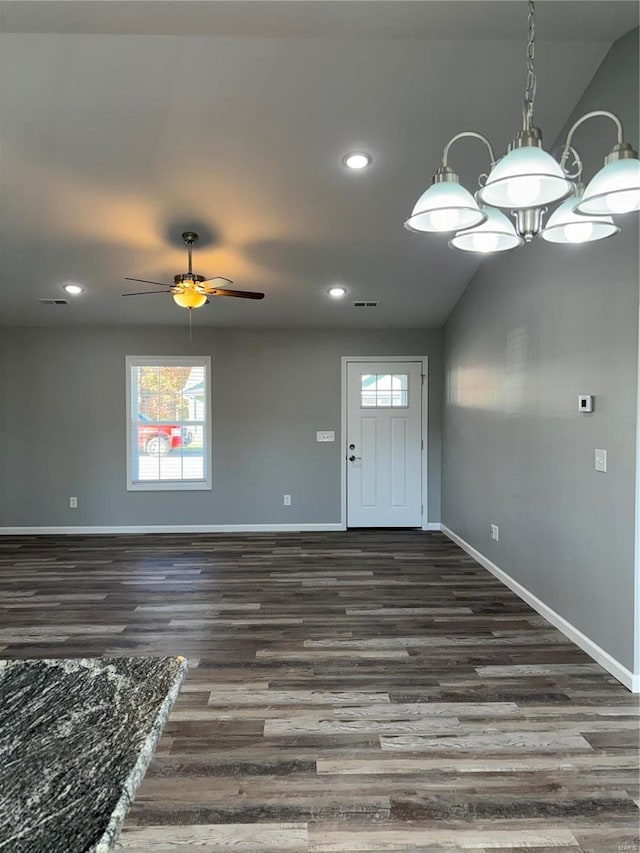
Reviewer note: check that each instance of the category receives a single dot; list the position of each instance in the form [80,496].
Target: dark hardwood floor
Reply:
[361,691]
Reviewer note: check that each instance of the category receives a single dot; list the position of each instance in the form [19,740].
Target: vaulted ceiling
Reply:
[123,124]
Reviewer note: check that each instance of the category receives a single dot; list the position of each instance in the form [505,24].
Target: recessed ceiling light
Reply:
[73,289]
[357,160]
[337,291]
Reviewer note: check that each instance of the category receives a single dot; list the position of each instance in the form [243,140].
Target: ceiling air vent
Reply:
[367,304]
[53,301]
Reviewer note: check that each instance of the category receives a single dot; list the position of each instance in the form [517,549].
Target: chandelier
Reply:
[525,181]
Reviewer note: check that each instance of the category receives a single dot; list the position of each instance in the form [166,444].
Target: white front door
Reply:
[384,444]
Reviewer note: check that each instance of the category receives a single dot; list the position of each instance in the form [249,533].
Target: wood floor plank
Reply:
[262,838]
[265,697]
[332,654]
[369,840]
[490,743]
[509,765]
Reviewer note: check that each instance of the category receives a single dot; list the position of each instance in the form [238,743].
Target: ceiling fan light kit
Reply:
[190,298]
[525,181]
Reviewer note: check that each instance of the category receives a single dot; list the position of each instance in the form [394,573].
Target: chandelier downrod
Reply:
[531,84]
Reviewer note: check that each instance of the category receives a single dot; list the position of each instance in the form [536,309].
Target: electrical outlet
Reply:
[73,503]
[495,532]
[287,500]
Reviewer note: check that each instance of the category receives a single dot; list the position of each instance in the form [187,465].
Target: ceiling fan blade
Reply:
[145,292]
[218,281]
[146,281]
[240,294]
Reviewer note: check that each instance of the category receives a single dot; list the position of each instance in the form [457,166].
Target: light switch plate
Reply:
[585,403]
[601,460]
[326,435]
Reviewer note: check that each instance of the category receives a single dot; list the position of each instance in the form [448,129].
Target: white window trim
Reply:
[169,485]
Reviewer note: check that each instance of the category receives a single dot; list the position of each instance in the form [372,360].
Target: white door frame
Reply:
[424,434]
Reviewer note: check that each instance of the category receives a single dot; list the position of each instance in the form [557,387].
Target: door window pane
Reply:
[384,390]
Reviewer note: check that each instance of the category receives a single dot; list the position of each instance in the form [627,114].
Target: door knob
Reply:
[354,458]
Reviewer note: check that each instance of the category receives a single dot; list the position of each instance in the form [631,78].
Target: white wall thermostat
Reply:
[585,403]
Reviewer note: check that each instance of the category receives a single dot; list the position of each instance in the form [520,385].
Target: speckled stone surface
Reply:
[76,737]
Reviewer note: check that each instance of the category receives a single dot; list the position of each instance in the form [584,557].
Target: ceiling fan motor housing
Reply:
[186,278]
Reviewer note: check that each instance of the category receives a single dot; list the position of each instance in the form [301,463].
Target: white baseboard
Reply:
[187,528]
[625,676]
[174,528]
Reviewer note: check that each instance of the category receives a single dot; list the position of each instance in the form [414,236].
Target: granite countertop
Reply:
[76,737]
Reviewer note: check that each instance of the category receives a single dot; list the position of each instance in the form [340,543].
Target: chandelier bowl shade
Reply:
[525,177]
[446,206]
[615,189]
[497,234]
[565,226]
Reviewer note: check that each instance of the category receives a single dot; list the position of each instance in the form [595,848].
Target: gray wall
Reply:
[64,423]
[533,330]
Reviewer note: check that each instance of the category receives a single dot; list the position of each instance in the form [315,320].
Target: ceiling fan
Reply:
[190,290]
